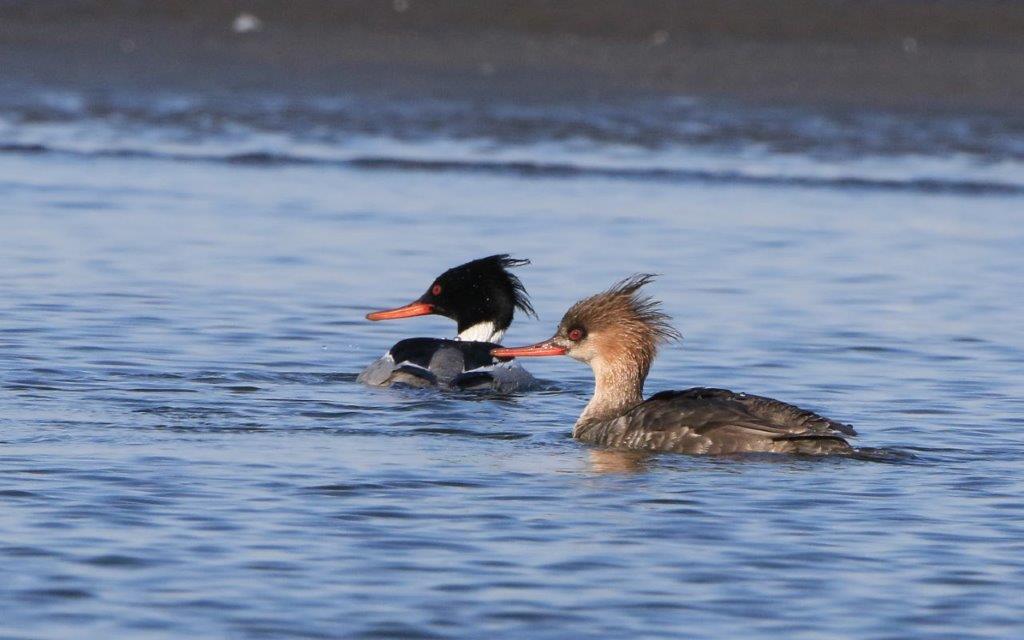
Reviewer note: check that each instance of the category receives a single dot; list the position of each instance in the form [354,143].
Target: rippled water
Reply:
[184,450]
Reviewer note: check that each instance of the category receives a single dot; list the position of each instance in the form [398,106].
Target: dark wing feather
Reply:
[473,379]
[758,413]
[476,354]
[433,362]
[413,376]
[718,421]
[417,351]
[430,352]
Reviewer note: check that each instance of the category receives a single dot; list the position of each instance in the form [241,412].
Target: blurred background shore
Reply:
[913,54]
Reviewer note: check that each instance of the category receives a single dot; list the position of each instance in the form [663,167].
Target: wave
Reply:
[554,170]
[643,124]
[668,140]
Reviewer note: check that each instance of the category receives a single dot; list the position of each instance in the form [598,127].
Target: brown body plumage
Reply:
[618,332]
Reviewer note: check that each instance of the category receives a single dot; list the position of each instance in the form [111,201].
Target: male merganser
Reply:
[481,297]
[617,332]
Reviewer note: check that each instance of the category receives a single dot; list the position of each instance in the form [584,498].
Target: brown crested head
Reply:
[618,323]
[617,326]
[617,332]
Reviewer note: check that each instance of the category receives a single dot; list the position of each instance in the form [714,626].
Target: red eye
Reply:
[436,290]
[575,334]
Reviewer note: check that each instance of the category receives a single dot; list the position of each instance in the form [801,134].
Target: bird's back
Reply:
[718,421]
[453,364]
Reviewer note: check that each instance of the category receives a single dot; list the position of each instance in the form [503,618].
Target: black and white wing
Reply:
[456,364]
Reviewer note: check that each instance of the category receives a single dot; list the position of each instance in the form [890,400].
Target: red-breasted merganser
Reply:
[617,332]
[481,297]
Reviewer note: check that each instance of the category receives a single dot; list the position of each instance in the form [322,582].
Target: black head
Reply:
[477,292]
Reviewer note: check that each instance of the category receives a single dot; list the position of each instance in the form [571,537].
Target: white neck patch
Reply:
[482,332]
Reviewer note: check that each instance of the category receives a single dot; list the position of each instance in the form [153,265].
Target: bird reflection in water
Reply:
[617,461]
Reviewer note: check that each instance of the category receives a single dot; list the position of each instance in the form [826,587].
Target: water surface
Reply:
[184,450]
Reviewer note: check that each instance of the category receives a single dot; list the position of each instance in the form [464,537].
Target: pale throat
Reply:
[618,386]
[482,332]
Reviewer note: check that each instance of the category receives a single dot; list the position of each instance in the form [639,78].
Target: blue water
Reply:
[184,451]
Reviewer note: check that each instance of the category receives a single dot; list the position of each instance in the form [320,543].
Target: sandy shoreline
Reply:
[864,68]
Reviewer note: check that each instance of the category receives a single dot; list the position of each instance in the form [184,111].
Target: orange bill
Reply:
[546,348]
[410,310]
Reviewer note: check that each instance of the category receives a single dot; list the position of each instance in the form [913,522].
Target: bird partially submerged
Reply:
[617,333]
[482,297]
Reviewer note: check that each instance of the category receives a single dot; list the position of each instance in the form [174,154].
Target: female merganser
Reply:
[481,297]
[617,332]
